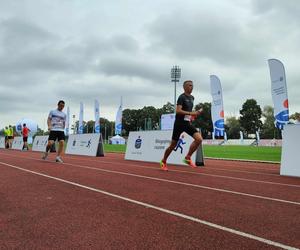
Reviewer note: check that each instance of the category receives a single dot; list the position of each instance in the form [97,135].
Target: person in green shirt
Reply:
[6,133]
[10,135]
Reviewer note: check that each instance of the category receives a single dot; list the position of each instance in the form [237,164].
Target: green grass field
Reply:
[232,152]
[243,152]
[114,148]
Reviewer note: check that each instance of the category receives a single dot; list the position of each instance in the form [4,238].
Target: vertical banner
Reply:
[279,93]
[217,109]
[257,136]
[67,126]
[118,123]
[241,137]
[97,117]
[80,127]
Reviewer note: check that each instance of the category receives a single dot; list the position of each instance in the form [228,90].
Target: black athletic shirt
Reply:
[187,103]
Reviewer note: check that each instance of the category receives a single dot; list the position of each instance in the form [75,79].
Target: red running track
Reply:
[110,203]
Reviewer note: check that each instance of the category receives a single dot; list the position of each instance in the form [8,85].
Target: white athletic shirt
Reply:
[58,120]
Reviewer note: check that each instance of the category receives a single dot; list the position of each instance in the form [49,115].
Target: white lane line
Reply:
[167,211]
[182,183]
[197,173]
[243,171]
[213,168]
[182,171]
[213,175]
[242,160]
[74,157]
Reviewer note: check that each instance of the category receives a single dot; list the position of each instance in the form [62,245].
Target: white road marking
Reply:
[167,211]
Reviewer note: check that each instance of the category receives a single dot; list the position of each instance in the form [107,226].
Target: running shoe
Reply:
[45,155]
[163,166]
[189,162]
[58,159]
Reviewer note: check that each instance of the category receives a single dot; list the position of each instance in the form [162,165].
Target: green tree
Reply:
[168,108]
[150,116]
[295,116]
[106,128]
[39,132]
[233,127]
[250,117]
[131,120]
[268,130]
[89,127]
[147,118]
[203,121]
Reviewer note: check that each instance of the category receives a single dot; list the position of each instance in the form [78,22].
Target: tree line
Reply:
[252,118]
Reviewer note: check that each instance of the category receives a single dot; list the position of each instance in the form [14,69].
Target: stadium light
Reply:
[175,76]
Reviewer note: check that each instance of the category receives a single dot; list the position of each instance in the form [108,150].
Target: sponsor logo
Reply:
[97,129]
[282,118]
[219,127]
[180,143]
[138,143]
[19,127]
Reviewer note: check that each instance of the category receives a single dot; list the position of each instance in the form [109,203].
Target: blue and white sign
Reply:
[67,126]
[279,93]
[17,143]
[40,143]
[290,151]
[97,117]
[85,144]
[217,108]
[80,125]
[150,146]
[118,123]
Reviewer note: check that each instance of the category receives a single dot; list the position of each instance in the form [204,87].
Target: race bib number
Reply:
[187,118]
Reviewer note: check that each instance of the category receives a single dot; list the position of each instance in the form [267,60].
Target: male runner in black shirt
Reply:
[184,113]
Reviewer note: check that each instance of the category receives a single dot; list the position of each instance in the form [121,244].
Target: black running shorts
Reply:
[59,135]
[183,126]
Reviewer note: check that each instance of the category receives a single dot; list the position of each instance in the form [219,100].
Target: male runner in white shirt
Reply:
[56,125]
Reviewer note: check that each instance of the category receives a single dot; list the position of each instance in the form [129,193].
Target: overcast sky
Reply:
[82,50]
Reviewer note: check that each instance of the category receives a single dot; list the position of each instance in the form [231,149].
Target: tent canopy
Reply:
[117,140]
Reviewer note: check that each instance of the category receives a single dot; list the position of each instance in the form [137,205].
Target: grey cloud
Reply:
[28,47]
[21,34]
[205,35]
[131,68]
[124,43]
[289,8]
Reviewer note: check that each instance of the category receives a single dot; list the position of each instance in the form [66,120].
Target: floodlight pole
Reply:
[175,76]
